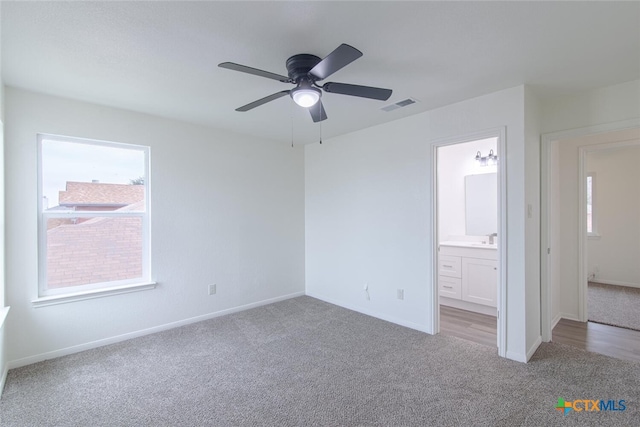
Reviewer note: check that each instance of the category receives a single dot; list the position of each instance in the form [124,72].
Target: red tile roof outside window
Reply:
[96,194]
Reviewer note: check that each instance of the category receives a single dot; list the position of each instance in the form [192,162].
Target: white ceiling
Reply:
[161,57]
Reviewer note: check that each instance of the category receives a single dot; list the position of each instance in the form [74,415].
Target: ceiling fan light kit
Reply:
[305,96]
[304,71]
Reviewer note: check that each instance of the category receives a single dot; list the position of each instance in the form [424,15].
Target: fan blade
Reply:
[254,71]
[355,90]
[264,100]
[317,112]
[339,58]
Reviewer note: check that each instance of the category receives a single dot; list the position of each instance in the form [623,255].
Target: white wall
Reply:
[368,213]
[616,251]
[454,163]
[603,105]
[226,209]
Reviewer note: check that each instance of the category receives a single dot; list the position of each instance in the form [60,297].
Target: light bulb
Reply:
[305,97]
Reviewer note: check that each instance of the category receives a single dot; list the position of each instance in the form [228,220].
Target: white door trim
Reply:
[546,251]
[499,133]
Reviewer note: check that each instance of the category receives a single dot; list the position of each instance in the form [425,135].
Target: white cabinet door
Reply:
[479,281]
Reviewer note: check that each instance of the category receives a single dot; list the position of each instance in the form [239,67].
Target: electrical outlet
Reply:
[400,293]
[212,289]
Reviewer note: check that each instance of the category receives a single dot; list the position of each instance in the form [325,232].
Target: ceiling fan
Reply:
[304,71]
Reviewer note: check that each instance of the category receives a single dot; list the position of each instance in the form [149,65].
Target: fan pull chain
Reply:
[291,110]
[321,132]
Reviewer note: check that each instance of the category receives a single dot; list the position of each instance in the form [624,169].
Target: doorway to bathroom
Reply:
[469,233]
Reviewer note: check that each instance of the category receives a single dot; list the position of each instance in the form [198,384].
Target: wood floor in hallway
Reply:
[608,340]
[604,339]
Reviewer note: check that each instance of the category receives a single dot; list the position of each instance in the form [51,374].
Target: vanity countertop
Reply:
[463,244]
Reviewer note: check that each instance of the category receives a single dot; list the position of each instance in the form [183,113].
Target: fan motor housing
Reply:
[299,66]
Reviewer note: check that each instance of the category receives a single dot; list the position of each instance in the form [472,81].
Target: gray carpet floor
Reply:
[303,362]
[614,305]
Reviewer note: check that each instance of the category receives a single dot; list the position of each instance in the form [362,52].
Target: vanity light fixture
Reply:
[490,160]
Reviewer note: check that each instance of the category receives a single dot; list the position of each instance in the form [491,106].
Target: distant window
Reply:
[94,216]
[591,211]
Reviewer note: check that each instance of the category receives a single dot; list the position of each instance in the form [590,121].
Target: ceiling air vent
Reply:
[399,104]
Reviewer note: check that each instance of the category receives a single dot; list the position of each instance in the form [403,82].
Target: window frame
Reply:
[47,296]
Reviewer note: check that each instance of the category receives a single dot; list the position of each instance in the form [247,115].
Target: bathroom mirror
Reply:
[481,204]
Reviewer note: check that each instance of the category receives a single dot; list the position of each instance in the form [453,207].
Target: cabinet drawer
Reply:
[450,287]
[449,266]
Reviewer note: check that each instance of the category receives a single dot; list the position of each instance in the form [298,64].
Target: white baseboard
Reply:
[372,313]
[616,283]
[524,358]
[3,379]
[534,347]
[555,321]
[112,340]
[3,366]
[569,316]
[518,357]
[553,324]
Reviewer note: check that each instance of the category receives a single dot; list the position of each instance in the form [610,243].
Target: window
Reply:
[94,217]
[591,212]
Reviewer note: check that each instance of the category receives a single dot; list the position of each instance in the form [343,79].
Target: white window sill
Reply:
[593,236]
[98,293]
[3,315]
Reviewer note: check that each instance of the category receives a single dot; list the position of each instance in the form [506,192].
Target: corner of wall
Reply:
[4,368]
[532,349]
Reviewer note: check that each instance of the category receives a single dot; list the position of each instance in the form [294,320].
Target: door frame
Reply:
[500,134]
[583,238]
[547,253]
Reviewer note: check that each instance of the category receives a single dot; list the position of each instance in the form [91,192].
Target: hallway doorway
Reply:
[612,180]
[574,251]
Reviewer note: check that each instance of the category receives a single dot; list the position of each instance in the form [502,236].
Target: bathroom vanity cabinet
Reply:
[468,273]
